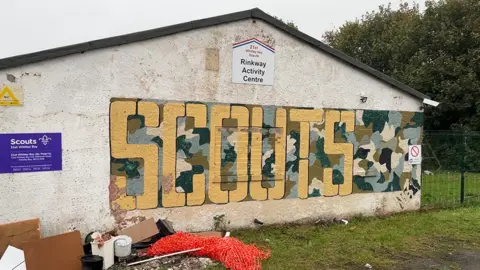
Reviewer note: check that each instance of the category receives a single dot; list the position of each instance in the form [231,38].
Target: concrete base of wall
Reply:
[241,215]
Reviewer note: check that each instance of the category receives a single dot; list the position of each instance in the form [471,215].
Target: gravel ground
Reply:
[170,263]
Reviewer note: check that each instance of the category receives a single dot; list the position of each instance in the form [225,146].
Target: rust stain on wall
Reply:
[167,184]
[212,59]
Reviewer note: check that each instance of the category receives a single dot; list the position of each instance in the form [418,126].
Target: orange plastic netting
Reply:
[233,253]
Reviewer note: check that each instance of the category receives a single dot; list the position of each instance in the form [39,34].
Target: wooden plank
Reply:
[209,234]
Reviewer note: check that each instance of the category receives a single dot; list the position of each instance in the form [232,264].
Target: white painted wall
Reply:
[72,95]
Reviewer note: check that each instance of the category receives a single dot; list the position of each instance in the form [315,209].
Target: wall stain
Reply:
[167,184]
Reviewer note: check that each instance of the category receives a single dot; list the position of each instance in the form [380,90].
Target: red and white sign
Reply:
[415,154]
[253,62]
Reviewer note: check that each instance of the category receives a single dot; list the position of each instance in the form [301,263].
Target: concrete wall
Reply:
[73,95]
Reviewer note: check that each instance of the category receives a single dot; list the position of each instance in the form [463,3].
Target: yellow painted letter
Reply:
[170,197]
[120,110]
[278,191]
[199,113]
[345,149]
[241,146]
[215,192]
[257,192]
[304,117]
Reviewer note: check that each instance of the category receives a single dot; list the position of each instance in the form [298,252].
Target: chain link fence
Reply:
[451,168]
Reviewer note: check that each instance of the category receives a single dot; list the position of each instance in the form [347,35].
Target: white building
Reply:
[301,171]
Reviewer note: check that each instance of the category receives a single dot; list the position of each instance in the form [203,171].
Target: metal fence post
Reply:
[462,169]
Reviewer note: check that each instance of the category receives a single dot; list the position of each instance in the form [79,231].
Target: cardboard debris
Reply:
[17,233]
[60,252]
[165,228]
[141,231]
[13,258]
[209,234]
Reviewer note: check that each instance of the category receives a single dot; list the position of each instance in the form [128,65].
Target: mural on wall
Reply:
[174,154]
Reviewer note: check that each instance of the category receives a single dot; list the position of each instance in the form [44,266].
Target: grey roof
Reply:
[172,29]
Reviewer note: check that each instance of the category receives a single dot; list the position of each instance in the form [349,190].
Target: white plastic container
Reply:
[106,251]
[123,246]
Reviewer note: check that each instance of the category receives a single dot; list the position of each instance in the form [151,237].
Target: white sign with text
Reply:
[415,154]
[253,62]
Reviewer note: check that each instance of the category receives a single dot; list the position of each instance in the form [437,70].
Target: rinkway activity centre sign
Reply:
[253,62]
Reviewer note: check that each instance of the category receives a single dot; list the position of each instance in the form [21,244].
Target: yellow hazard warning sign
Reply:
[11,96]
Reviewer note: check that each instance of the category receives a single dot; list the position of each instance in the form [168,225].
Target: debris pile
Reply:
[233,253]
[178,262]
[22,247]
[146,245]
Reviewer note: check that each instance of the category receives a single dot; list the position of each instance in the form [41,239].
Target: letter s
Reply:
[119,112]
[333,148]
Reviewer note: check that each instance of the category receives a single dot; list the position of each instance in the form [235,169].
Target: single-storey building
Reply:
[226,119]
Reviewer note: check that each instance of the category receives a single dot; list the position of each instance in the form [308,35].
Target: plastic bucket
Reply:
[92,262]
[123,246]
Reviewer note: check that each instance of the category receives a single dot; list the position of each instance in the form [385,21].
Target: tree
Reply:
[436,52]
[288,23]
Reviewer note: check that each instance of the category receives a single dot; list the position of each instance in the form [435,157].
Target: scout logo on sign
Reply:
[415,154]
[253,62]
[10,96]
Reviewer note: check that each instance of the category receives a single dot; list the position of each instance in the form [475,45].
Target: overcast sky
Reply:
[34,25]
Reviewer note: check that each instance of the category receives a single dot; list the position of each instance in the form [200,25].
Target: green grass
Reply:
[383,242]
[443,189]
[413,240]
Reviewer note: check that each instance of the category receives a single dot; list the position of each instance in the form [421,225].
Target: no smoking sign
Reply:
[415,154]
